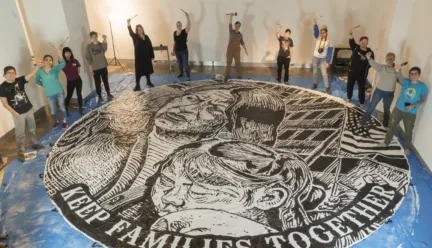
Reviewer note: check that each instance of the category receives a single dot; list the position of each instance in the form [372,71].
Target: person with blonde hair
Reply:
[322,55]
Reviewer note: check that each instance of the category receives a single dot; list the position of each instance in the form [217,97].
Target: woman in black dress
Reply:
[144,55]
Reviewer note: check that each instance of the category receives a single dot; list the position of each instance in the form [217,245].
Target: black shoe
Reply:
[286,82]
[81,110]
[180,75]
[110,97]
[314,86]
[37,147]
[149,84]
[278,79]
[137,89]
[328,90]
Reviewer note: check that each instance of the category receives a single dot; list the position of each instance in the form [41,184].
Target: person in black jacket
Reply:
[144,55]
[359,67]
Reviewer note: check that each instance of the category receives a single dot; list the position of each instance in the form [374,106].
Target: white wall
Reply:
[14,51]
[209,35]
[418,49]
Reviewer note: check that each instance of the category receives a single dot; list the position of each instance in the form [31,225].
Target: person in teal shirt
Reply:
[413,94]
[47,77]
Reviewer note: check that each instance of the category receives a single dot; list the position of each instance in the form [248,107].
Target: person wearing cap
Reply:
[14,98]
[233,50]
[322,55]
[285,53]
[359,67]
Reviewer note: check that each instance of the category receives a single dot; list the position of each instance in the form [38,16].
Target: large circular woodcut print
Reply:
[239,164]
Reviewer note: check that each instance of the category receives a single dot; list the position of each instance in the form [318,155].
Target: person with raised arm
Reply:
[180,48]
[144,55]
[233,50]
[285,54]
[322,55]
[359,67]
[98,64]
[413,94]
[14,98]
[385,88]
[72,71]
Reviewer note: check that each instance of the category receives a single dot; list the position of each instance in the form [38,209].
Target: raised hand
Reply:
[314,20]
[38,63]
[129,21]
[368,55]
[59,52]
[350,31]
[397,68]
[281,25]
[185,12]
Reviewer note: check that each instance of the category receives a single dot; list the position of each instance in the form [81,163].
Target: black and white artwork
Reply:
[241,164]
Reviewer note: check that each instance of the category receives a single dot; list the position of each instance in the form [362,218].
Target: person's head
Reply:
[255,115]
[245,179]
[287,33]
[179,25]
[414,74]
[67,54]
[237,26]
[139,30]
[390,59]
[94,36]
[9,73]
[364,40]
[48,61]
[196,113]
[324,32]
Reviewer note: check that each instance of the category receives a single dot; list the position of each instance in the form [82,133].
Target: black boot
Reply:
[80,109]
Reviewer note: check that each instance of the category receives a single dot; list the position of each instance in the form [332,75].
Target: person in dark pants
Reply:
[359,68]
[413,93]
[98,64]
[180,49]
[144,55]
[285,53]
[72,71]
[385,88]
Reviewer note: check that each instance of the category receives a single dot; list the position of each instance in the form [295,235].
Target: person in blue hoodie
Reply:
[322,55]
[47,77]
[413,94]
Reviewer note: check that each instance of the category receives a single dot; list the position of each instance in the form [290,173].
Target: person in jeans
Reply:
[15,100]
[322,56]
[233,50]
[72,71]
[180,49]
[385,88]
[47,77]
[285,53]
[98,64]
[413,94]
[359,67]
[144,55]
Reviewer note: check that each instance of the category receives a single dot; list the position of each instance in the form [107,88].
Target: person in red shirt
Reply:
[72,71]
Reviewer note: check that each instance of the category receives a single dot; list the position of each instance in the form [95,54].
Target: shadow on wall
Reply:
[306,38]
[164,36]
[271,34]
[85,66]
[222,33]
[195,51]
[248,32]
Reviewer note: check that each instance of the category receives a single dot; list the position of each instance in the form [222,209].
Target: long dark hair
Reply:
[65,50]
[139,26]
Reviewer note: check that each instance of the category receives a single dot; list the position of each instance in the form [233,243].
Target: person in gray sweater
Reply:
[385,88]
[98,63]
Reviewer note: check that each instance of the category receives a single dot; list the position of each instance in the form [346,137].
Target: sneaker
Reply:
[21,157]
[314,86]
[101,100]
[81,112]
[347,100]
[149,84]
[180,75]
[407,152]
[286,82]
[56,124]
[328,90]
[64,125]
[188,79]
[110,97]
[37,147]
[137,89]
[361,106]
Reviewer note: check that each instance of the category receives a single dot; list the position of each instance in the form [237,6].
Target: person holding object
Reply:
[47,77]
[14,99]
[144,55]
[322,55]
[180,49]
[72,71]
[385,88]
[359,67]
[98,64]
[233,50]
[286,46]
[413,94]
